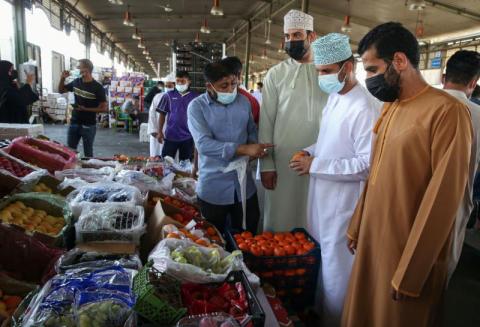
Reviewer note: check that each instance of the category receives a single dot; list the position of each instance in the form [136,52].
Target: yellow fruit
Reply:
[41,213]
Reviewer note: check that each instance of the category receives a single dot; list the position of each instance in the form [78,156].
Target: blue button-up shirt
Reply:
[218,130]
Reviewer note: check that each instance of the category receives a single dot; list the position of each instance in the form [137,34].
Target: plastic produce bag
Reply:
[144,182]
[90,175]
[76,182]
[185,189]
[79,259]
[103,192]
[190,262]
[209,320]
[110,222]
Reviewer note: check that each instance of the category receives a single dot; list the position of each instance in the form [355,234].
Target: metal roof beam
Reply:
[154,16]
[454,10]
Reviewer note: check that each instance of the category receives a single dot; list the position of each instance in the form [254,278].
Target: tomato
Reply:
[300,236]
[296,245]
[267,250]
[290,250]
[290,272]
[279,251]
[244,247]
[211,231]
[279,273]
[259,238]
[279,237]
[301,271]
[249,241]
[301,251]
[309,246]
[256,250]
[268,235]
[246,235]
[262,242]
[290,239]
[239,240]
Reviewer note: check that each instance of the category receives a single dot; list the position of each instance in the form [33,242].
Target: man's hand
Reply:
[352,246]
[30,79]
[254,150]
[154,135]
[160,137]
[302,165]
[269,179]
[398,296]
[81,108]
[65,74]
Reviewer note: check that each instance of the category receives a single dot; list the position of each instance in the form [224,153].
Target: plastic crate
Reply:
[158,296]
[255,309]
[293,276]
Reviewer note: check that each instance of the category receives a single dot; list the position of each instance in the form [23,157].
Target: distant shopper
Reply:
[13,99]
[222,126]
[461,78]
[173,110]
[90,99]
[131,107]
[258,92]
[153,117]
[159,88]
[235,66]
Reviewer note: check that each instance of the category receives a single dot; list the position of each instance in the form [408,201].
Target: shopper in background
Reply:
[258,92]
[289,118]
[90,99]
[222,126]
[173,110]
[338,165]
[159,88]
[235,66]
[476,95]
[14,99]
[153,117]
[131,107]
[403,224]
[461,78]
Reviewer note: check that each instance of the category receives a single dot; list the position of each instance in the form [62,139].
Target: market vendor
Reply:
[131,107]
[223,129]
[90,99]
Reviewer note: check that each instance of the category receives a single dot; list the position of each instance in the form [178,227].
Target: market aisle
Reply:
[107,141]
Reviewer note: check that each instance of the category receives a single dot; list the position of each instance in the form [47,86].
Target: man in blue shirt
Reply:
[222,126]
[173,107]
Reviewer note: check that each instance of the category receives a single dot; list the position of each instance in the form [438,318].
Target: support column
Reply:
[305,6]
[88,37]
[20,32]
[247,53]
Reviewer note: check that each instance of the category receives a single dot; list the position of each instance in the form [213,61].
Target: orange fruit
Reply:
[268,235]
[301,271]
[279,251]
[279,237]
[173,235]
[290,250]
[256,250]
[211,231]
[301,251]
[201,242]
[244,247]
[300,236]
[247,235]
[309,246]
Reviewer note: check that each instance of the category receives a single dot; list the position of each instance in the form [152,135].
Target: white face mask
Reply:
[182,88]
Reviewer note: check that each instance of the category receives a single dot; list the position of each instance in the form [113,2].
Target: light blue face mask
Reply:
[226,98]
[182,88]
[168,89]
[330,83]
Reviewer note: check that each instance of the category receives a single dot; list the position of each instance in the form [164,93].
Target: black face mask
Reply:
[296,49]
[14,75]
[381,89]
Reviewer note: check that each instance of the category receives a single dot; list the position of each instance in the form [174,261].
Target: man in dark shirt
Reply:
[90,99]
[152,93]
[173,109]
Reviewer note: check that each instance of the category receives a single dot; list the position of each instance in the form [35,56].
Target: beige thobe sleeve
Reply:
[450,156]
[268,115]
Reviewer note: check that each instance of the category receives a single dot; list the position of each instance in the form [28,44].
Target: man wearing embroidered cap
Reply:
[338,166]
[291,106]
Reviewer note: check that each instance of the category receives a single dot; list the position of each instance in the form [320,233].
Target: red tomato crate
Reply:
[294,277]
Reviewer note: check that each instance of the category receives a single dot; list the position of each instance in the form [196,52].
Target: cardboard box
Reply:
[153,235]
[11,131]
[108,247]
[49,181]
[168,208]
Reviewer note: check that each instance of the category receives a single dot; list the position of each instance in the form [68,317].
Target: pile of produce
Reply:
[208,262]
[42,188]
[8,304]
[209,238]
[14,167]
[31,219]
[274,244]
[188,210]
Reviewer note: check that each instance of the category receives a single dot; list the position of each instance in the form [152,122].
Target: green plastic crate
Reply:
[158,296]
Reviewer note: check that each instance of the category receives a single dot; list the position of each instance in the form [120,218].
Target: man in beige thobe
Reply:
[291,106]
[403,224]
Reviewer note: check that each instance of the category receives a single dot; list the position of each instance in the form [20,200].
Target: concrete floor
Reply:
[107,141]
[463,295]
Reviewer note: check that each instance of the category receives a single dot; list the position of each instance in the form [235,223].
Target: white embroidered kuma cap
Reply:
[296,19]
